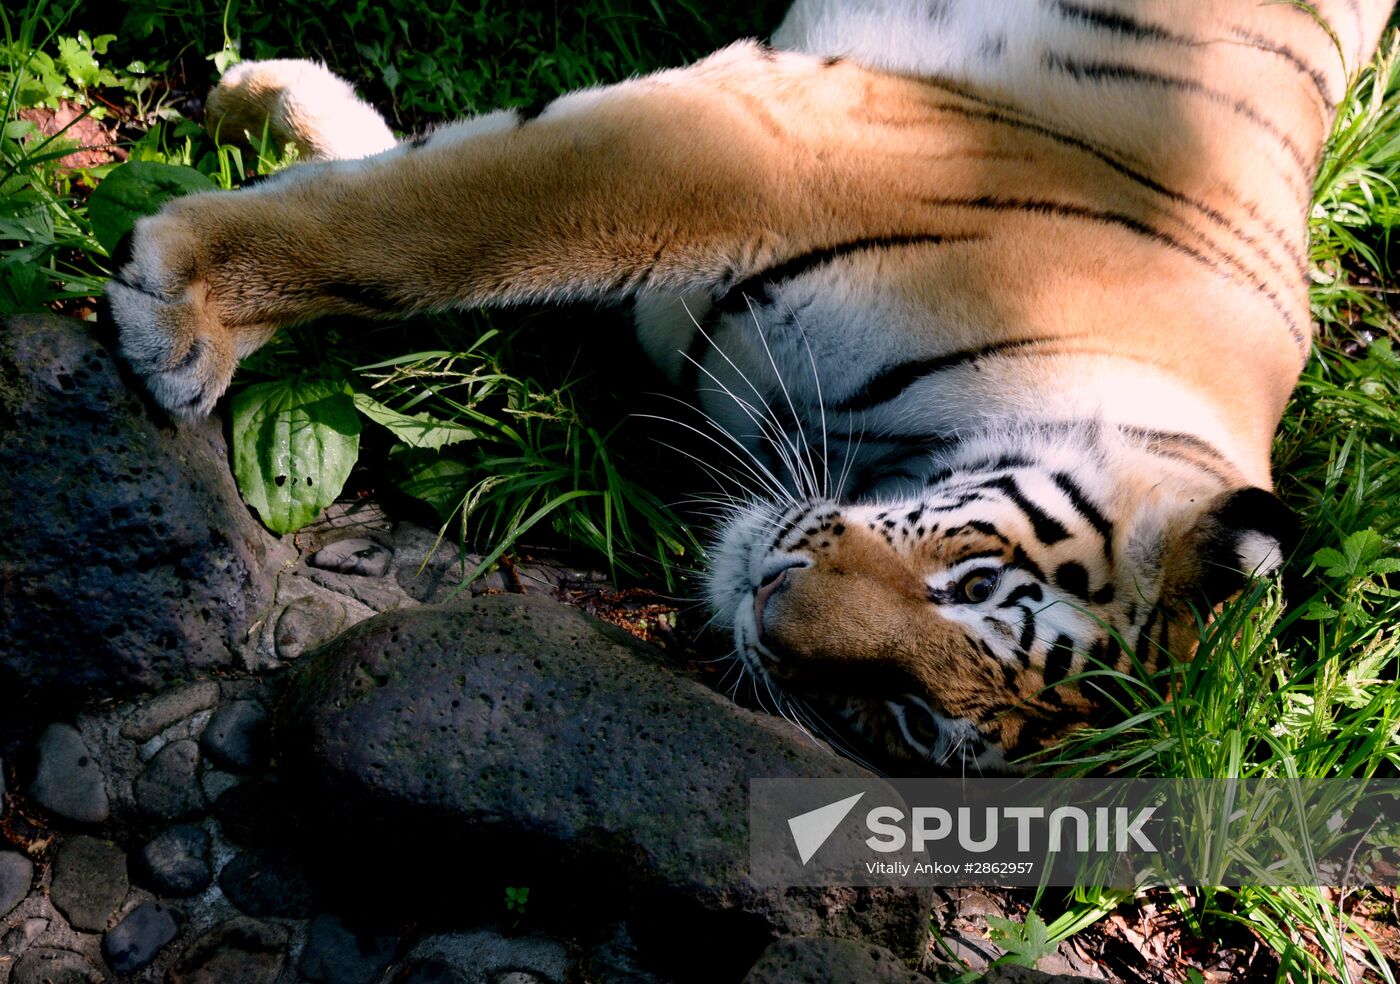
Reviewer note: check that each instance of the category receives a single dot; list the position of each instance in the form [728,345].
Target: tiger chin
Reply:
[998,307]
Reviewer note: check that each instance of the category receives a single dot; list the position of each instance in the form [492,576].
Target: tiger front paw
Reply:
[167,317]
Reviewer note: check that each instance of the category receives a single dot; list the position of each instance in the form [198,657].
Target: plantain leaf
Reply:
[136,189]
[294,443]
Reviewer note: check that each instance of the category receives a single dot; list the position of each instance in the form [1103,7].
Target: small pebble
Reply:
[24,934]
[237,736]
[176,861]
[216,782]
[169,786]
[47,965]
[159,713]
[306,623]
[67,781]
[16,875]
[89,882]
[357,555]
[134,942]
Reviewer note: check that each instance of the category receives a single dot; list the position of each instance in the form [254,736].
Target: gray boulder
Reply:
[829,961]
[522,739]
[131,560]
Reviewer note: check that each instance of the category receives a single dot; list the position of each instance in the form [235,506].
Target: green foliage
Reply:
[294,443]
[517,898]
[41,224]
[1025,943]
[134,189]
[1356,204]
[430,62]
[497,454]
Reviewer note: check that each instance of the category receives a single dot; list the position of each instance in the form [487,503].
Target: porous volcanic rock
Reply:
[521,739]
[131,561]
[829,961]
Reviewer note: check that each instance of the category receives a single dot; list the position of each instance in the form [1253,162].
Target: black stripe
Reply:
[755,288]
[963,500]
[1170,444]
[1120,72]
[1161,648]
[978,555]
[1058,660]
[1318,80]
[985,528]
[1070,210]
[1115,163]
[791,525]
[1050,206]
[195,353]
[1104,653]
[1047,529]
[1175,437]
[887,384]
[1027,635]
[1142,651]
[1085,508]
[1117,23]
[1030,590]
[1021,559]
[1071,576]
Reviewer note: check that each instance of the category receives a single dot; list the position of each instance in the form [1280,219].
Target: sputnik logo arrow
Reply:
[810,830]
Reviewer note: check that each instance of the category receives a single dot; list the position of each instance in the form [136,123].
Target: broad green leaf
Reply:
[135,189]
[1332,561]
[1025,943]
[429,477]
[294,443]
[419,430]
[77,61]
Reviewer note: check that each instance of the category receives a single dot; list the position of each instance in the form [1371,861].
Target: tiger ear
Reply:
[1242,534]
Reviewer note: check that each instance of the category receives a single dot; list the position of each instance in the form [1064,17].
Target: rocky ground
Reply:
[225,757]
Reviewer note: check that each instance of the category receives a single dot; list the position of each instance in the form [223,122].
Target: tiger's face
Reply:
[946,630]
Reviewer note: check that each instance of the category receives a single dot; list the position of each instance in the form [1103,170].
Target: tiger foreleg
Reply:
[691,179]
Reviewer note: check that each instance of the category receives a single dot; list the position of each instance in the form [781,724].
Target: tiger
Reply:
[1000,303]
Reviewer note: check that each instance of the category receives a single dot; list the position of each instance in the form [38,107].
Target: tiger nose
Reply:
[770,586]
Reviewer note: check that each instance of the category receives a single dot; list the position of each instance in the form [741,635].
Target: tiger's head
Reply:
[941,628]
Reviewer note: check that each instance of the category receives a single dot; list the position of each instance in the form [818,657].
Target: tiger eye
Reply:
[977,586]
